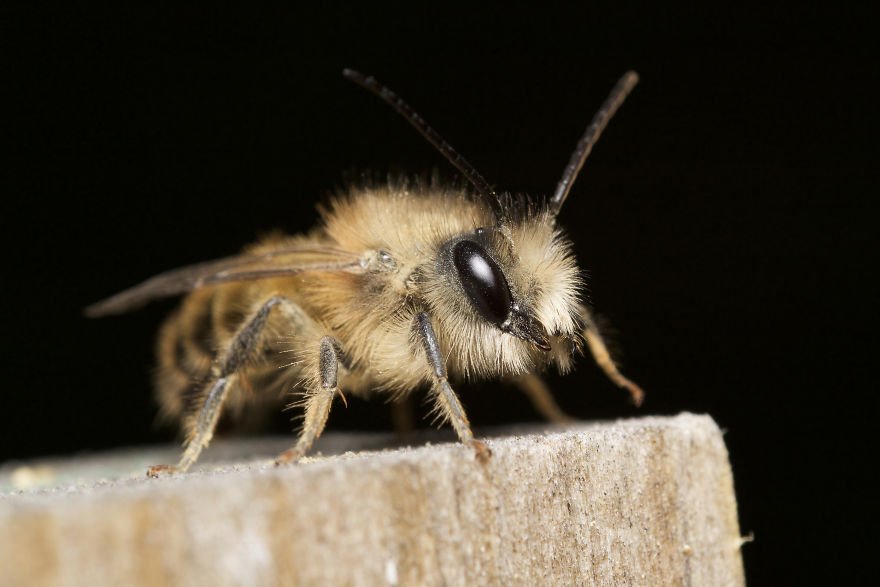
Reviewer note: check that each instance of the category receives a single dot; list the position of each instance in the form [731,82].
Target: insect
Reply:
[402,285]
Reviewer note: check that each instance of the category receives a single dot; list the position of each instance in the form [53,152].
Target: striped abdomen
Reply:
[188,346]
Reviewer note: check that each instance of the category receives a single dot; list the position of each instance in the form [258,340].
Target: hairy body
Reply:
[401,236]
[400,286]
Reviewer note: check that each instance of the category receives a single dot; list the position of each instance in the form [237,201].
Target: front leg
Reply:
[446,401]
[604,360]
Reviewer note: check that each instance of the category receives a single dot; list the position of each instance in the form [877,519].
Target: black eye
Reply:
[482,280]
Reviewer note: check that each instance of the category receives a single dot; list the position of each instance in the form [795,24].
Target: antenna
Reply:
[618,94]
[411,116]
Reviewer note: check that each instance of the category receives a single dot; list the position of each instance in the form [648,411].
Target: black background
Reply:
[723,216]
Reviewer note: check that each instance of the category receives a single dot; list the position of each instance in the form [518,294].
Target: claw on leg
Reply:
[482,452]
[636,393]
[289,456]
[157,471]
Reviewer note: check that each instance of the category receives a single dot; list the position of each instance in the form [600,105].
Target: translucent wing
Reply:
[275,263]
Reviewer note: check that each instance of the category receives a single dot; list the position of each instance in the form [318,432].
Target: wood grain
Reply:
[635,502]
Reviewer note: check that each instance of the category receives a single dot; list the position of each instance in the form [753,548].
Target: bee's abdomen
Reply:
[187,347]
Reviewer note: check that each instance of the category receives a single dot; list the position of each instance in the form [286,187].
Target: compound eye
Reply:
[482,280]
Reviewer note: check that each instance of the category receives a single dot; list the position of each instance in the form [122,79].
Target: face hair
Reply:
[618,94]
[411,116]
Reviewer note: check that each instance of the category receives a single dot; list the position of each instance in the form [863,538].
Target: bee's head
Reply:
[484,284]
[507,295]
[515,289]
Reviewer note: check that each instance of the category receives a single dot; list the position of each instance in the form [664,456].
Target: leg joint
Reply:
[328,363]
[429,343]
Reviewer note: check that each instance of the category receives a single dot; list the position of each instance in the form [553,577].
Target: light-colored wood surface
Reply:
[636,502]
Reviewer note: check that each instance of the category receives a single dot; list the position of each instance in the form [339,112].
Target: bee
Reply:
[402,285]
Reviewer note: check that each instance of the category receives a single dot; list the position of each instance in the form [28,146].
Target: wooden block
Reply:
[635,502]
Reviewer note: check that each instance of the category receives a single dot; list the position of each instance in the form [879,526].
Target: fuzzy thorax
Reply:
[411,234]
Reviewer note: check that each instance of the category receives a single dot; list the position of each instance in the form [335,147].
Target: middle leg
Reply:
[321,390]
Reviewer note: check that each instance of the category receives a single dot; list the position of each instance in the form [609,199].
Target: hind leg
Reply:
[226,370]
[542,399]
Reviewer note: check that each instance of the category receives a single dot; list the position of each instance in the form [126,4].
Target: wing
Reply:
[246,267]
